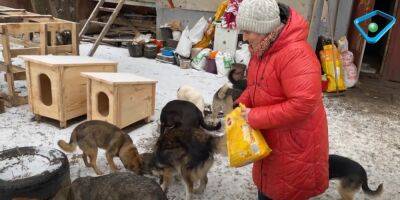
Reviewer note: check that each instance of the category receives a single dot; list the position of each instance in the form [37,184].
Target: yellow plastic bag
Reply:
[221,10]
[329,55]
[244,144]
[207,38]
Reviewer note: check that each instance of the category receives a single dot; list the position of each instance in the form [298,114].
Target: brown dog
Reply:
[190,153]
[91,135]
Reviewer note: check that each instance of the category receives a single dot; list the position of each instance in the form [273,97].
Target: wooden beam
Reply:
[24,16]
[18,28]
[60,49]
[43,39]
[25,51]
[12,10]
[75,39]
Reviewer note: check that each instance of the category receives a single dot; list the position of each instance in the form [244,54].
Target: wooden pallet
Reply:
[16,27]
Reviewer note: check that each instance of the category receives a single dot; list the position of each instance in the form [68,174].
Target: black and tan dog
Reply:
[189,153]
[91,135]
[184,114]
[352,177]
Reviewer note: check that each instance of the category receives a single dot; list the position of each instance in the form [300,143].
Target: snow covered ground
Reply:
[364,132]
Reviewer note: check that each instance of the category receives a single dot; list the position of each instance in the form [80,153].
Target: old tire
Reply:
[41,186]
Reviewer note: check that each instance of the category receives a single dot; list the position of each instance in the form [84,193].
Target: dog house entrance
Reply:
[45,90]
[103,105]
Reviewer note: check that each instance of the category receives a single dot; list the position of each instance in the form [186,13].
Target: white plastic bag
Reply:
[197,32]
[347,57]
[200,60]
[350,75]
[343,44]
[224,63]
[184,45]
[243,55]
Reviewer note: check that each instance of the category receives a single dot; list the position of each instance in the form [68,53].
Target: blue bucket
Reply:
[167,51]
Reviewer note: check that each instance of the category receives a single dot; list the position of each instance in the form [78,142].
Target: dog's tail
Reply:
[71,146]
[209,127]
[370,192]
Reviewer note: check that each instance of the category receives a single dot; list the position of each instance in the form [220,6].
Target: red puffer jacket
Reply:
[284,92]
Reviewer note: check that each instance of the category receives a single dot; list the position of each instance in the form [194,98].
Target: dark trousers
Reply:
[261,196]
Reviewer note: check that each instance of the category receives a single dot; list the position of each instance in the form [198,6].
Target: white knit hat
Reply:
[261,16]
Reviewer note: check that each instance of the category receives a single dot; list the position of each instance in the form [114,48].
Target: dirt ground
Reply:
[364,124]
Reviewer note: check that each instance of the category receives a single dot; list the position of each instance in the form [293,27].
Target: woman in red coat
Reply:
[284,101]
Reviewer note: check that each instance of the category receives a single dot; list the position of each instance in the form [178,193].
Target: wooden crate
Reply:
[17,26]
[120,98]
[56,89]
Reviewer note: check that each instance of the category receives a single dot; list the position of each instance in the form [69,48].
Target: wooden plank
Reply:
[18,28]
[116,106]
[53,36]
[18,73]
[89,99]
[29,86]
[43,39]
[24,51]
[7,61]
[143,3]
[60,49]
[27,39]
[61,94]
[391,62]
[23,16]
[75,39]
[60,26]
[12,10]
[25,43]
[356,42]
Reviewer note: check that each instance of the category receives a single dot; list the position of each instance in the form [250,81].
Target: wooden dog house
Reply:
[120,98]
[56,89]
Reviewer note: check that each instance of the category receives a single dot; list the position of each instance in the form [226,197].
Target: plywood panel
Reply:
[138,100]
[98,87]
[75,88]
[39,108]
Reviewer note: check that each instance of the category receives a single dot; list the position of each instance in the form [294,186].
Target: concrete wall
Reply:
[344,10]
[189,12]
[304,7]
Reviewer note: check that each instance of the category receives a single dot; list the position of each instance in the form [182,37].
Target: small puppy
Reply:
[180,113]
[91,135]
[352,177]
[190,153]
[188,93]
